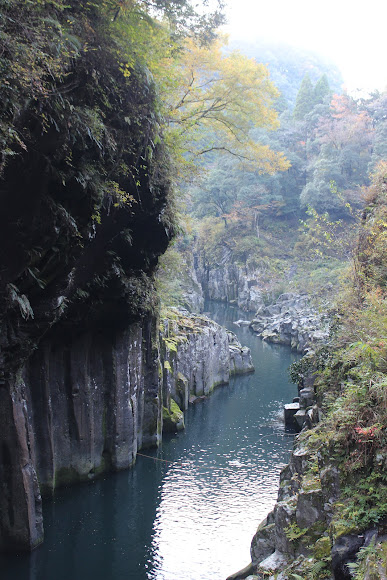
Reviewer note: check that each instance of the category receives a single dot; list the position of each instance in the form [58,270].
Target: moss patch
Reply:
[173,419]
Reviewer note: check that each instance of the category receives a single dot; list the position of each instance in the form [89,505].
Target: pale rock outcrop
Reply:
[291,321]
[232,283]
[197,355]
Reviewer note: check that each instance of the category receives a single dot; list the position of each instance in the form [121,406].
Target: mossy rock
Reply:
[173,419]
[322,548]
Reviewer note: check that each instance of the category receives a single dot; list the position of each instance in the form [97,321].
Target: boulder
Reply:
[272,563]
[173,418]
[291,321]
[310,508]
[290,409]
[263,542]
[306,397]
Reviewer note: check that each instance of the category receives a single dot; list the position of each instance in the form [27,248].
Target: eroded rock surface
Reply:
[198,355]
[238,285]
[291,321]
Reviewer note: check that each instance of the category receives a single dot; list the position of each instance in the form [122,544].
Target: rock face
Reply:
[79,380]
[291,321]
[239,285]
[197,356]
[193,297]
[93,403]
[87,404]
[289,533]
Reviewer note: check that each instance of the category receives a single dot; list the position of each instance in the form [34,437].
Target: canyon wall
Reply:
[232,283]
[87,213]
[198,354]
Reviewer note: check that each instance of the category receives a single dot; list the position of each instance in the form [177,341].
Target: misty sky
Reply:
[351,33]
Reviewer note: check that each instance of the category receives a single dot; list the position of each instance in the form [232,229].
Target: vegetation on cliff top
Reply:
[351,387]
[105,105]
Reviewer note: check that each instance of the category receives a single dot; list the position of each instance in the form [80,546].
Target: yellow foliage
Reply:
[213,99]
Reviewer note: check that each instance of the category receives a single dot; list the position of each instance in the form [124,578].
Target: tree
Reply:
[41,42]
[184,17]
[216,193]
[215,99]
[321,90]
[340,146]
[377,109]
[305,99]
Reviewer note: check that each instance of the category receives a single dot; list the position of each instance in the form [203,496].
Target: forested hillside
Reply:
[288,65]
[306,212]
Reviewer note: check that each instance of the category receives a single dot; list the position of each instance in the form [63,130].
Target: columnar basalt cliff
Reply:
[197,356]
[238,285]
[86,215]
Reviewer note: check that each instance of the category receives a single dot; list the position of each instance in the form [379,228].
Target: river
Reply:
[189,511]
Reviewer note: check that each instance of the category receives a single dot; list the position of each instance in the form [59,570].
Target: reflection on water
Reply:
[226,477]
[191,516]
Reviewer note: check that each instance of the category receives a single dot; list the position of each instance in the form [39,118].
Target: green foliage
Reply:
[294,532]
[167,365]
[321,90]
[338,145]
[213,100]
[305,99]
[171,344]
[308,365]
[323,236]
[371,562]
[350,379]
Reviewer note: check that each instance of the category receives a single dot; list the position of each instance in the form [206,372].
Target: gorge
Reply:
[145,168]
[201,495]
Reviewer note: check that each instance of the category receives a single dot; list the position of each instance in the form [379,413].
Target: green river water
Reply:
[191,516]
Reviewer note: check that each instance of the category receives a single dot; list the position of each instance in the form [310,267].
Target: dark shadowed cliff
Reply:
[85,215]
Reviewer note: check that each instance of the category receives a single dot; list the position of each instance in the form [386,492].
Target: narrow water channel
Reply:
[189,513]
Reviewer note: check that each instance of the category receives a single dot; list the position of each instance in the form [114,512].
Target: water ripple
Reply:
[226,481]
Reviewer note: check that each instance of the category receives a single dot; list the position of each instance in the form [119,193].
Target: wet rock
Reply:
[263,542]
[173,418]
